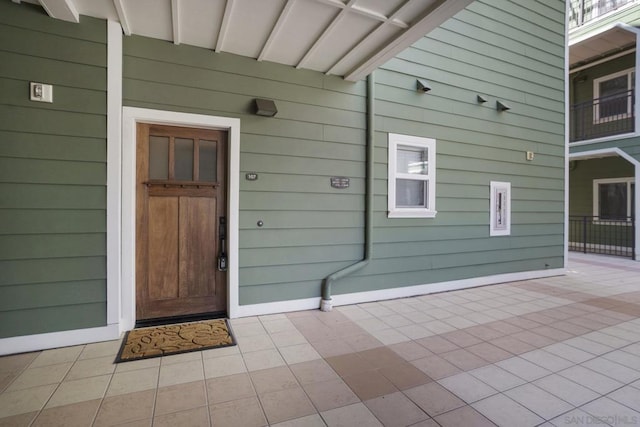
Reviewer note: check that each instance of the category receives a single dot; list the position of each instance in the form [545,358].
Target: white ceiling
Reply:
[349,38]
[610,40]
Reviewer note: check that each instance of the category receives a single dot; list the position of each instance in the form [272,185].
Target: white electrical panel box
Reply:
[40,92]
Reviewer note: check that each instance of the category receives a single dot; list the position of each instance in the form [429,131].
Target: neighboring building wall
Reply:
[581,176]
[581,82]
[52,173]
[629,14]
[629,145]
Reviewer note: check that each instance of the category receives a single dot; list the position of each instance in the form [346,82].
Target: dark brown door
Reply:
[181,184]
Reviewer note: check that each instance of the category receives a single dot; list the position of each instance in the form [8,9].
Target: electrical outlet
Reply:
[40,92]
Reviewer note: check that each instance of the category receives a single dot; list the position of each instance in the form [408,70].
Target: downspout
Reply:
[325,304]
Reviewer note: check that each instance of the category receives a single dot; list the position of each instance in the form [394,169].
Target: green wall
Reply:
[52,173]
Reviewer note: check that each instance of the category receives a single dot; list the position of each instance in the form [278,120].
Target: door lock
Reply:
[222,234]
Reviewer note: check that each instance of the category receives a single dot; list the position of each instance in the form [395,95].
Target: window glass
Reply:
[412,160]
[411,194]
[159,157]
[208,161]
[612,200]
[183,159]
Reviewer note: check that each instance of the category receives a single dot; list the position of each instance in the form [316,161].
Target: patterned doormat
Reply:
[145,343]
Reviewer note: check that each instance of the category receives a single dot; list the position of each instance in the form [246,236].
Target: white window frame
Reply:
[596,196]
[596,95]
[429,144]
[500,217]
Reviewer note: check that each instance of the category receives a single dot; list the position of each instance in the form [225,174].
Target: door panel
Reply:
[181,175]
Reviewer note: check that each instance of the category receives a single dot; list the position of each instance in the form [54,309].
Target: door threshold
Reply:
[159,321]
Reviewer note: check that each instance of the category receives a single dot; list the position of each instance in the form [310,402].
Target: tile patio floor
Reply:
[562,351]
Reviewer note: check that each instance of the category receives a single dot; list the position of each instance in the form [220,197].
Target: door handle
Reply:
[222,235]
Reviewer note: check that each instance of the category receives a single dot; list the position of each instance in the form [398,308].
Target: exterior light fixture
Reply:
[265,107]
[423,86]
[500,106]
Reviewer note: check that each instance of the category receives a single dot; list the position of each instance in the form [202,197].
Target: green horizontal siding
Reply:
[52,173]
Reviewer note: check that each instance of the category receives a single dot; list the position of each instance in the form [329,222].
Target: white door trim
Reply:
[130,117]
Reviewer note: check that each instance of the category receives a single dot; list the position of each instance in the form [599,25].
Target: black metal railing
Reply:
[583,11]
[606,116]
[590,234]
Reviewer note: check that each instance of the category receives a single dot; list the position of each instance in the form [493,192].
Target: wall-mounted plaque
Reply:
[251,176]
[339,182]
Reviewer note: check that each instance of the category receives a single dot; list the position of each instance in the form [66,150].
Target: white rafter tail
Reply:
[391,20]
[122,16]
[61,9]
[276,29]
[334,3]
[175,19]
[312,50]
[435,15]
[222,35]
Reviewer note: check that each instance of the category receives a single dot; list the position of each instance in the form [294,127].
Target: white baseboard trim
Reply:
[37,342]
[384,294]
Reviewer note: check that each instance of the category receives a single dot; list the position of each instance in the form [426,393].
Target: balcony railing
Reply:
[590,234]
[583,11]
[601,117]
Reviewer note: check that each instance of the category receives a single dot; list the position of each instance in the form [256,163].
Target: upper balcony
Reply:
[603,117]
[584,11]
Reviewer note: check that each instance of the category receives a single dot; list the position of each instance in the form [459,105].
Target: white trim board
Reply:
[49,340]
[132,116]
[387,294]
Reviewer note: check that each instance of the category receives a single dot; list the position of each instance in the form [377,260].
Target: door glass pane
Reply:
[412,160]
[184,159]
[158,157]
[411,193]
[208,161]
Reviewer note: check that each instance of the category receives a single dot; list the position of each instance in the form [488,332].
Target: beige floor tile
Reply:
[547,360]
[369,384]
[173,359]
[126,408]
[7,378]
[273,379]
[299,353]
[22,420]
[363,342]
[232,387]
[220,352]
[404,375]
[464,359]
[330,394]
[591,379]
[623,358]
[286,404]
[180,373]
[263,359]
[314,420]
[512,345]
[396,410]
[506,412]
[566,389]
[612,369]
[287,338]
[245,330]
[16,362]
[410,350]
[331,348]
[607,409]
[313,371]
[523,368]
[465,416]
[101,349]
[628,396]
[575,418]
[224,366]
[349,364]
[129,382]
[79,391]
[467,387]
[489,352]
[435,367]
[180,397]
[379,357]
[238,413]
[348,416]
[138,364]
[24,401]
[434,399]
[539,401]
[567,352]
[497,377]
[33,377]
[57,356]
[415,332]
[589,346]
[196,417]
[256,343]
[461,338]
[91,367]
[279,325]
[77,414]
[437,344]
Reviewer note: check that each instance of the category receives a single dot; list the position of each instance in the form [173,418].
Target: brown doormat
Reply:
[145,343]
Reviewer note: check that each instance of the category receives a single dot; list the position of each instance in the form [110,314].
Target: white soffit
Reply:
[349,38]
[606,42]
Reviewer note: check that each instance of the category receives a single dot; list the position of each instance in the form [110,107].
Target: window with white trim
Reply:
[412,177]
[614,198]
[613,96]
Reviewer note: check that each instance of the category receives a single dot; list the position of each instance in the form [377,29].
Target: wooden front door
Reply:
[180,206]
